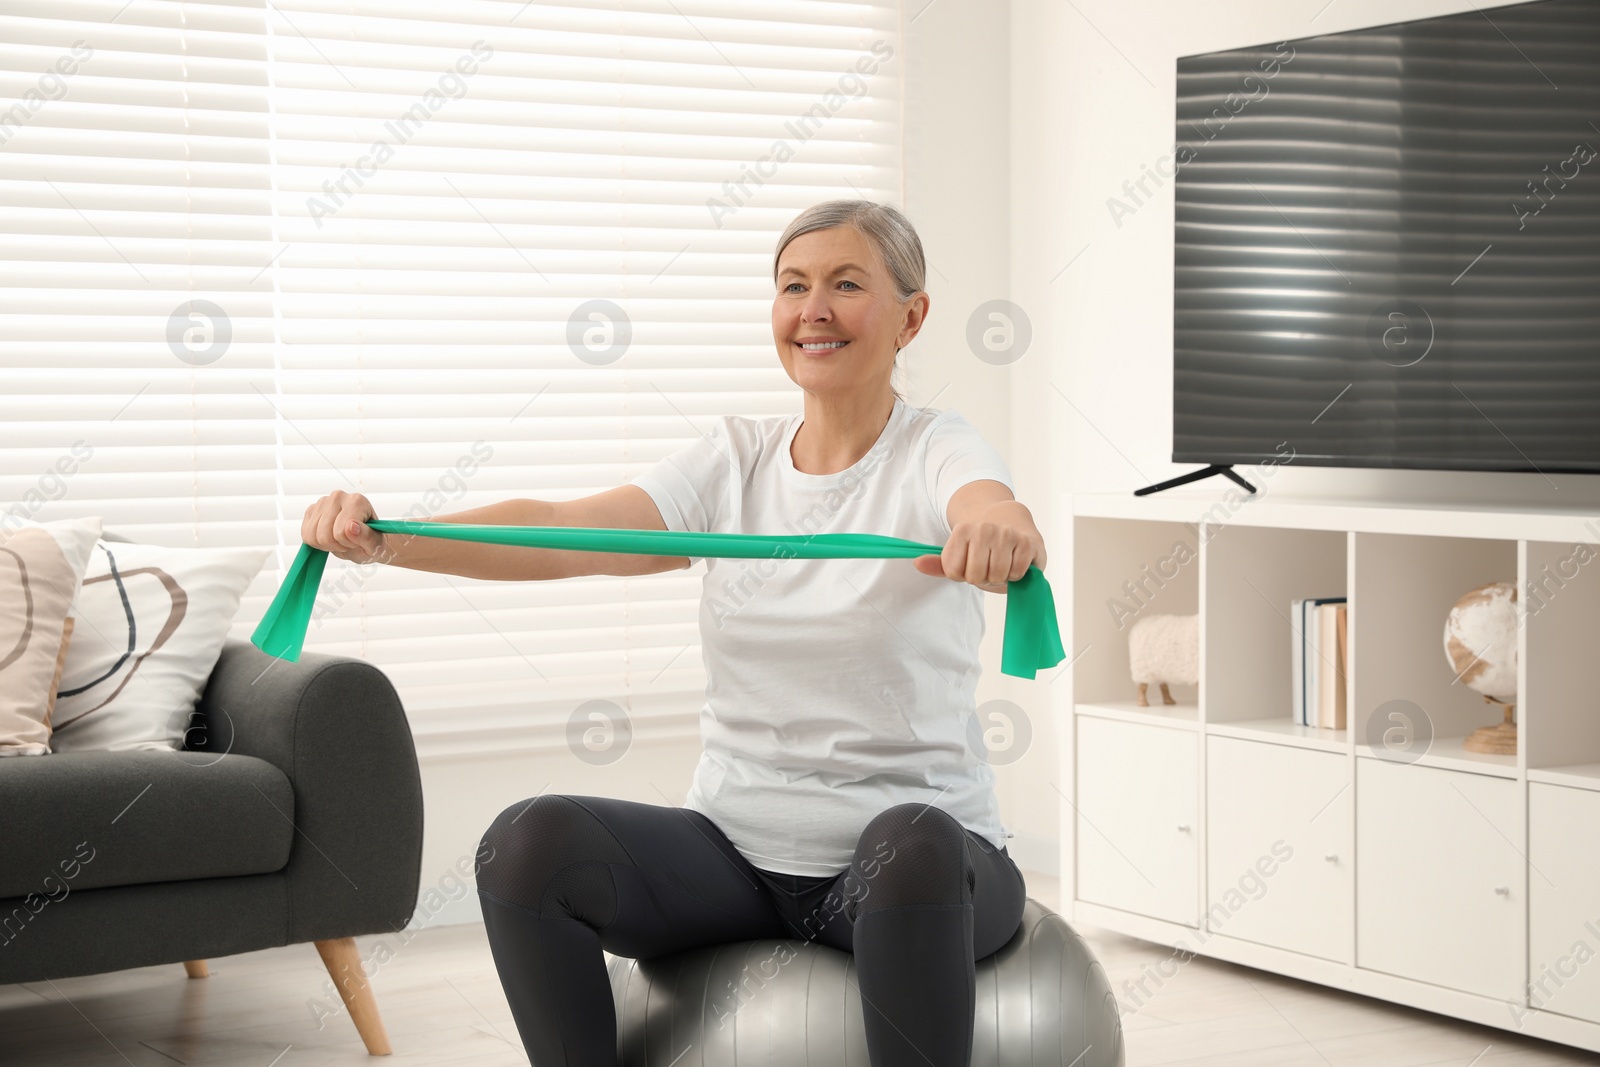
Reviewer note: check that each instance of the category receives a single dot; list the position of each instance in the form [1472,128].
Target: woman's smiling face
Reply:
[833,287]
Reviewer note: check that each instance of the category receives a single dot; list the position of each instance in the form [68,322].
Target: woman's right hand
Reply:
[338,524]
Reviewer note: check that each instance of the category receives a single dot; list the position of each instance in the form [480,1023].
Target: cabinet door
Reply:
[1563,888]
[1278,862]
[1439,877]
[1136,818]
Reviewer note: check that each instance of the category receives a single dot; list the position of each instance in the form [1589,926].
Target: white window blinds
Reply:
[439,253]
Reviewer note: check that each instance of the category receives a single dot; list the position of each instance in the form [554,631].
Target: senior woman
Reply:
[837,797]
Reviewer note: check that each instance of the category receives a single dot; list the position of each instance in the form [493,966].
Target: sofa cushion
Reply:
[87,820]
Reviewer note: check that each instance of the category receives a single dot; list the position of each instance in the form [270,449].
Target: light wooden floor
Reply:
[442,1004]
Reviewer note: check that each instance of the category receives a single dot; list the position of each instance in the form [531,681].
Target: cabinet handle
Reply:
[1332,857]
[1502,889]
[1183,827]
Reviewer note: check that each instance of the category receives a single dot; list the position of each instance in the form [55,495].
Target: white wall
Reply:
[1093,103]
[958,193]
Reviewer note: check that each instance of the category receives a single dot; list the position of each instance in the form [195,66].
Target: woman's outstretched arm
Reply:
[338,523]
[993,538]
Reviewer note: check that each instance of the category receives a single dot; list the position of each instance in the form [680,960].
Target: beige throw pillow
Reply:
[61,661]
[41,570]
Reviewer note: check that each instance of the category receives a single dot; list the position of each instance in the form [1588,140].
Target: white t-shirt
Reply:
[836,688]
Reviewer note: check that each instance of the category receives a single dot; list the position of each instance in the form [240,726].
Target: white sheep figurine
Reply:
[1162,649]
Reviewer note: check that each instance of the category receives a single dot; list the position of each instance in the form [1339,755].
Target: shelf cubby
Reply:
[1139,568]
[1558,712]
[1401,683]
[1251,575]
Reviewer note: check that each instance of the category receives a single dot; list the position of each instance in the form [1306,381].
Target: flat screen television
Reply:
[1387,246]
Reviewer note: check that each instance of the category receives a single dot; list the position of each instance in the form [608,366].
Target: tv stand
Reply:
[1224,469]
[1385,859]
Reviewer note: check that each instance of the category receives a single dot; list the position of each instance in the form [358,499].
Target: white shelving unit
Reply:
[1421,873]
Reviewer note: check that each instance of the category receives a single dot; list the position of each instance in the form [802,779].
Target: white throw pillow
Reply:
[150,625]
[41,566]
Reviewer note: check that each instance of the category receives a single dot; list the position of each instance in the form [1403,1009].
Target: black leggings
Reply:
[563,877]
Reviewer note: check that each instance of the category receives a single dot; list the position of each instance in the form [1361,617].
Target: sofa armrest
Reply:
[334,725]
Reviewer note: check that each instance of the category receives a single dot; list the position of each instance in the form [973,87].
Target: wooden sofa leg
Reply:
[343,961]
[196,969]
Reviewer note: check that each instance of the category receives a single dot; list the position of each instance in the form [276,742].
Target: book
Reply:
[1317,654]
[1297,682]
[1344,666]
[1330,676]
[1313,664]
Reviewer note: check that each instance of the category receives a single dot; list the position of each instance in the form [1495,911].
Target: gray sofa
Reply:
[294,815]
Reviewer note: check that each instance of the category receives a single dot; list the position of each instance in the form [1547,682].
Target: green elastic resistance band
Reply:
[1032,636]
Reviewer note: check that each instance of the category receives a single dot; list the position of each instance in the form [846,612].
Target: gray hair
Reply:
[884,227]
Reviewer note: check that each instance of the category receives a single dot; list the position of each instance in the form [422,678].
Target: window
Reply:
[440,253]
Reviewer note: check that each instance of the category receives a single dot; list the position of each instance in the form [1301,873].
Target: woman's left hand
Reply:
[991,552]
